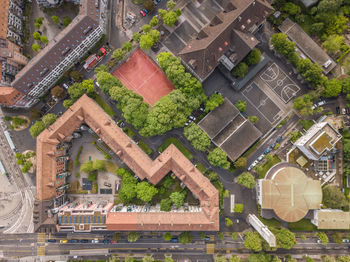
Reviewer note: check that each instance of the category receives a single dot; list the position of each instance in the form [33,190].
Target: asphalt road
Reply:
[28,245]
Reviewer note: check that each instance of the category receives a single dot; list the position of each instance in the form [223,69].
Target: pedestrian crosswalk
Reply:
[211,237]
[41,237]
[210,249]
[40,251]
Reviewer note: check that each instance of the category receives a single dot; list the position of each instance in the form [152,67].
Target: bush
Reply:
[167,236]
[78,156]
[238,208]
[240,70]
[185,238]
[165,204]
[228,222]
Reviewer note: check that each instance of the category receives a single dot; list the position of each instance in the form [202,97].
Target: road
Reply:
[24,217]
[33,245]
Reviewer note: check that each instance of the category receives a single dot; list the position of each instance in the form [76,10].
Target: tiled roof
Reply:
[9,95]
[85,110]
[5,5]
[230,30]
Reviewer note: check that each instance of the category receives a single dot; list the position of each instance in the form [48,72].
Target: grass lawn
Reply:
[302,225]
[104,106]
[145,147]
[273,222]
[251,149]
[201,168]
[128,131]
[110,166]
[267,165]
[177,143]
[306,123]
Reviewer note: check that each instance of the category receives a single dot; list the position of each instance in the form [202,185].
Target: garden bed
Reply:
[145,147]
[104,106]
[178,144]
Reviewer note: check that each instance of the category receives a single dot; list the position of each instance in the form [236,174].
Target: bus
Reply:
[9,140]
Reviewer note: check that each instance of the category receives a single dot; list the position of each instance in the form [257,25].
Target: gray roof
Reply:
[230,130]
[307,45]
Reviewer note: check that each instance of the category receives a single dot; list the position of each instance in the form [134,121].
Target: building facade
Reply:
[42,72]
[54,3]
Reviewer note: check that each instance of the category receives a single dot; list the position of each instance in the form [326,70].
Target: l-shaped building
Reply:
[52,210]
[43,71]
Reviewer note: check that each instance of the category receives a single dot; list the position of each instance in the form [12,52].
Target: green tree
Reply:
[333,43]
[76,91]
[167,236]
[168,259]
[101,68]
[234,236]
[241,162]
[136,37]
[337,237]
[323,237]
[44,39]
[235,258]
[291,8]
[58,92]
[129,258]
[76,75]
[55,19]
[36,35]
[146,28]
[253,119]
[346,148]
[213,176]
[247,180]
[49,119]
[285,239]
[220,258]
[332,87]
[145,191]
[218,158]
[98,165]
[252,241]
[328,259]
[118,54]
[88,86]
[169,18]
[240,70]
[346,85]
[36,128]
[146,42]
[282,45]
[198,138]
[37,25]
[149,5]
[36,47]
[317,28]
[147,258]
[155,34]
[332,197]
[154,21]
[165,204]
[87,167]
[67,103]
[106,81]
[213,102]
[303,104]
[171,4]
[228,222]
[253,57]
[329,6]
[238,208]
[133,236]
[241,105]
[127,46]
[260,257]
[66,21]
[177,198]
[185,238]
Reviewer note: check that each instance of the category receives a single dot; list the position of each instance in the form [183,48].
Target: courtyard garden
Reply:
[17,123]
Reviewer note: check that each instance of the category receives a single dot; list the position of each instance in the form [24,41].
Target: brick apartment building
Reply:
[50,208]
[42,72]
[54,3]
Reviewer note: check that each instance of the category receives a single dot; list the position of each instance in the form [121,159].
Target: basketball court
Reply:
[262,103]
[280,83]
[140,74]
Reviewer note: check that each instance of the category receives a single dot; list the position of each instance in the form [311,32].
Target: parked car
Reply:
[107,184]
[218,93]
[343,111]
[345,240]
[63,241]
[261,157]
[267,150]
[51,240]
[65,86]
[94,241]
[84,241]
[321,102]
[337,109]
[192,118]
[157,2]
[174,240]
[279,139]
[206,238]
[106,241]
[143,12]
[253,165]
[73,241]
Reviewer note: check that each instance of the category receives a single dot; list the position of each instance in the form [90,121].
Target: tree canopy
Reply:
[252,241]
[247,180]
[36,128]
[323,237]
[253,57]
[285,239]
[241,105]
[332,87]
[177,198]
[213,102]
[198,138]
[145,191]
[332,197]
[240,70]
[218,158]
[133,236]
[49,119]
[185,237]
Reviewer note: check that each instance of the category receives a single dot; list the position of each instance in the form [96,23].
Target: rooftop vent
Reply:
[65,51]
[87,30]
[192,63]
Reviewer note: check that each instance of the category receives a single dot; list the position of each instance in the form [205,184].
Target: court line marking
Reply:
[258,108]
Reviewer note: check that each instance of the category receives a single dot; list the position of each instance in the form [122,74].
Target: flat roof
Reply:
[333,219]
[86,110]
[290,193]
[307,45]
[230,130]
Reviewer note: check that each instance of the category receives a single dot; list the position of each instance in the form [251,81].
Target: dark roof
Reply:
[47,61]
[229,30]
[87,185]
[217,120]
[230,130]
[307,45]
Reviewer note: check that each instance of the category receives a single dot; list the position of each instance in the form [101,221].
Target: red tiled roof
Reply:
[86,110]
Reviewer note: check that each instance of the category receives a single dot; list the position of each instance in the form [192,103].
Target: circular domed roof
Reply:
[290,193]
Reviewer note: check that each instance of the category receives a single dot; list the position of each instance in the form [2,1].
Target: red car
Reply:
[143,12]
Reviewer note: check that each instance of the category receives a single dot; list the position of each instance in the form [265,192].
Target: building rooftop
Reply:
[333,219]
[5,5]
[86,110]
[307,45]
[229,130]
[230,29]
[289,192]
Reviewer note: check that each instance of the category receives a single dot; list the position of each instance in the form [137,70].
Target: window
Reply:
[93,219]
[70,220]
[65,220]
[89,219]
[98,220]
[75,219]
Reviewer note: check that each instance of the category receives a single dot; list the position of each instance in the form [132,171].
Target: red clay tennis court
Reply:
[140,74]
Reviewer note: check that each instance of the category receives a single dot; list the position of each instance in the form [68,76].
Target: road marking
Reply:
[210,249]
[211,237]
[40,251]
[41,237]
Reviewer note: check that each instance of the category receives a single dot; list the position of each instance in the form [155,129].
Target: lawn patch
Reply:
[177,143]
[104,106]
[267,165]
[201,168]
[110,166]
[145,147]
[302,225]
[273,222]
[306,123]
[128,131]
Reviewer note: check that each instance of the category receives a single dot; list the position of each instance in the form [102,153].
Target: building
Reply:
[307,45]
[331,219]
[230,130]
[11,30]
[308,3]
[227,39]
[262,229]
[54,3]
[288,192]
[51,197]
[318,141]
[83,217]
[43,71]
